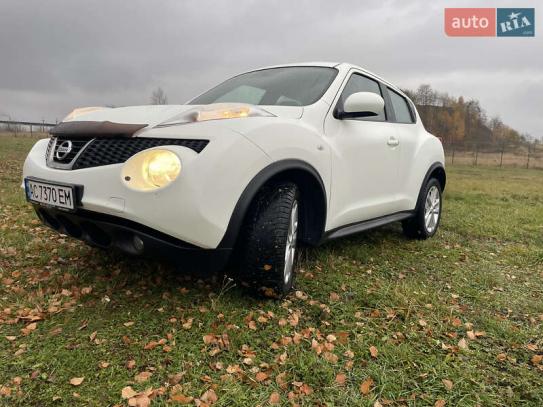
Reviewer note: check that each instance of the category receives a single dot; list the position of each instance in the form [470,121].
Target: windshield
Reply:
[289,86]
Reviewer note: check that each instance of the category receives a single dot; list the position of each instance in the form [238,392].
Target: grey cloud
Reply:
[59,54]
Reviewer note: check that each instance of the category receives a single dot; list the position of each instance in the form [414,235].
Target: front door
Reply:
[365,159]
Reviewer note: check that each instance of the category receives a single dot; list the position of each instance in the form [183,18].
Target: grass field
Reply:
[377,320]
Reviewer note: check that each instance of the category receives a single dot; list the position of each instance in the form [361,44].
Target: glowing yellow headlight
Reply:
[228,113]
[160,167]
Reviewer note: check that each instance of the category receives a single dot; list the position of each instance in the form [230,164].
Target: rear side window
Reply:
[360,83]
[401,108]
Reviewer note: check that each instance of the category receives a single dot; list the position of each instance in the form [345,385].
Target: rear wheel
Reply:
[269,240]
[428,214]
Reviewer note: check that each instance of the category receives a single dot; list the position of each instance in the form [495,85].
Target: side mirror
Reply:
[361,104]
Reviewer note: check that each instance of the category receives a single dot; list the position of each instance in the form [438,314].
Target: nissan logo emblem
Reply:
[63,150]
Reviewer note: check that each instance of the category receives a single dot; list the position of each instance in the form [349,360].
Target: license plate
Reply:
[60,196]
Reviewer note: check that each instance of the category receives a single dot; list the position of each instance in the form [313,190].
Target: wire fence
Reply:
[528,155]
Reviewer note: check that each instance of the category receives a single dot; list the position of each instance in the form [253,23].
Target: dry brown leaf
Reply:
[131,364]
[76,381]
[128,392]
[501,357]
[151,345]
[129,323]
[103,364]
[281,380]
[275,398]
[536,359]
[340,379]
[209,397]
[439,403]
[142,377]
[373,351]
[462,343]
[330,357]
[181,399]
[365,386]
[334,297]
[448,384]
[261,376]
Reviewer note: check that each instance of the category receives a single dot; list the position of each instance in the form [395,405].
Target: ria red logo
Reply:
[470,22]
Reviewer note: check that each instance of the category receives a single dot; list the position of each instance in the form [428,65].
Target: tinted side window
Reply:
[401,108]
[359,83]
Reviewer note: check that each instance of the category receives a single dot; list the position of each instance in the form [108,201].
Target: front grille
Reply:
[76,147]
[97,152]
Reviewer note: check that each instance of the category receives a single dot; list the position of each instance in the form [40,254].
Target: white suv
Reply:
[268,159]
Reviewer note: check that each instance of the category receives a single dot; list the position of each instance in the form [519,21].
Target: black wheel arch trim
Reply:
[259,180]
[432,168]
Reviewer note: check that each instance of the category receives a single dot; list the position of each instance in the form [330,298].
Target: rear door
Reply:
[364,159]
[407,134]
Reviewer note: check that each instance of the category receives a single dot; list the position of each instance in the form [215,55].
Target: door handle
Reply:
[393,141]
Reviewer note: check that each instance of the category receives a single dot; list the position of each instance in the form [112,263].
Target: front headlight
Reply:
[217,111]
[151,169]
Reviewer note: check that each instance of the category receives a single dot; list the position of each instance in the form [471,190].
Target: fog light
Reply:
[151,169]
[138,243]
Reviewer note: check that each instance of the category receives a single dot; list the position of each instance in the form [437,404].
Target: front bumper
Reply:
[196,208]
[107,231]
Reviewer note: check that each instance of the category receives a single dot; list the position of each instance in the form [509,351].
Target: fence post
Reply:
[528,160]
[452,158]
[501,155]
[30,129]
[476,153]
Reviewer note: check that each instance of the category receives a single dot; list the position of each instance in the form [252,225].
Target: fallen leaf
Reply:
[448,384]
[76,381]
[151,345]
[340,379]
[365,386]
[334,297]
[261,376]
[536,359]
[181,399]
[275,398]
[127,393]
[209,397]
[462,343]
[142,377]
[131,364]
[373,351]
[439,403]
[103,365]
[129,323]
[501,357]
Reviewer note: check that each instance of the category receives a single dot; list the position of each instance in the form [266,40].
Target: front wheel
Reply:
[425,222]
[269,240]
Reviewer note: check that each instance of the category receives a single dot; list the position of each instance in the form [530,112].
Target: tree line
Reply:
[457,120]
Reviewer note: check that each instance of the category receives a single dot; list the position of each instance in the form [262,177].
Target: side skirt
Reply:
[357,227]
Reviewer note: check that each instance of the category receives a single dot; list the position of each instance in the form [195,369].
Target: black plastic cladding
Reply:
[117,150]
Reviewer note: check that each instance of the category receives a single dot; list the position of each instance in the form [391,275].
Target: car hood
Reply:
[154,115]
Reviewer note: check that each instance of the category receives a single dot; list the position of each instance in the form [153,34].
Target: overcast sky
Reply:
[59,54]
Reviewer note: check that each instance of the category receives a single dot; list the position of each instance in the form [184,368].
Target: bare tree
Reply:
[158,97]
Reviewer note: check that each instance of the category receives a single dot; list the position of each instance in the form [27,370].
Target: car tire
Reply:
[269,240]
[427,215]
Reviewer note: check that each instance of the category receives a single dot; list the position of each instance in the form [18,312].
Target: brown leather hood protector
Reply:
[84,129]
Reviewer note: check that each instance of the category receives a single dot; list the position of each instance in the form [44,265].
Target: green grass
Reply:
[413,301]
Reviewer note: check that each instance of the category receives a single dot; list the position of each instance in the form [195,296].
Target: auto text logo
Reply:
[490,22]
